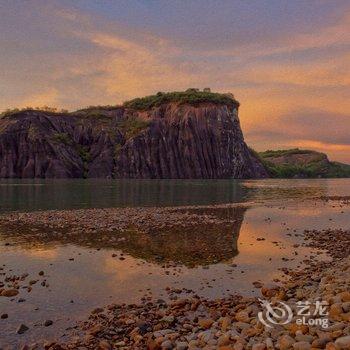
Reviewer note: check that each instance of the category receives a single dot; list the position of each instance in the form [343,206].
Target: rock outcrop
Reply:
[173,140]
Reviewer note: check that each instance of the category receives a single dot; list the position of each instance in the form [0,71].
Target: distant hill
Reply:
[298,163]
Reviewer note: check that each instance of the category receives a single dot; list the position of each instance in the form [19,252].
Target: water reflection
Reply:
[28,195]
[190,245]
[62,194]
[96,277]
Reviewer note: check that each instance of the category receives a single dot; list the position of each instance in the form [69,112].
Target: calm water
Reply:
[28,195]
[277,210]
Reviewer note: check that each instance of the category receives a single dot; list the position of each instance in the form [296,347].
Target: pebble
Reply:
[181,346]
[9,293]
[302,345]
[231,323]
[259,346]
[343,343]
[167,345]
[104,345]
[22,329]
[285,342]
[205,323]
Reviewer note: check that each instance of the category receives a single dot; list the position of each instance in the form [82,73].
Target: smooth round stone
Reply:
[167,345]
[181,346]
[302,345]
[343,342]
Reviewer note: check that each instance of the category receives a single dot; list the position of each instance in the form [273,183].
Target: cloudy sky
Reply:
[287,62]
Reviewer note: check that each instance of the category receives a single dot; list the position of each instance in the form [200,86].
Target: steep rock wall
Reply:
[170,141]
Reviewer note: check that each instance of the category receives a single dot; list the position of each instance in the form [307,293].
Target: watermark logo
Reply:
[307,313]
[275,314]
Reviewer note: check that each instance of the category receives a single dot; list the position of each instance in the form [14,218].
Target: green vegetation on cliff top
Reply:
[286,152]
[51,110]
[298,163]
[190,96]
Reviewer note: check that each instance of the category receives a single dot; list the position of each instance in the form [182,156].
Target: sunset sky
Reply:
[287,62]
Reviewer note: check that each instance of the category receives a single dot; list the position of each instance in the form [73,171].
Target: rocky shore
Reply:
[187,321]
[142,232]
[232,323]
[120,219]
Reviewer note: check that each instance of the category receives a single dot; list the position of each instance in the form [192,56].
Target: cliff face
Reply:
[169,141]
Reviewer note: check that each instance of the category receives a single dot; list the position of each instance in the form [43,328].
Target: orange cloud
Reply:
[322,146]
[320,73]
[45,98]
[106,62]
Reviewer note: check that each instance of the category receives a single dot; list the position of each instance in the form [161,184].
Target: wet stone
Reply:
[22,329]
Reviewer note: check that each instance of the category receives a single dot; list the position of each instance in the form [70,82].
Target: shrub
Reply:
[97,109]
[51,110]
[190,96]
[132,126]
[63,138]
[282,152]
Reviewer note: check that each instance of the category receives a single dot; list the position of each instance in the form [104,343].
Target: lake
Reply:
[28,195]
[82,272]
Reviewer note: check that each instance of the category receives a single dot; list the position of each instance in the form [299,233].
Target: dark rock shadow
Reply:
[190,244]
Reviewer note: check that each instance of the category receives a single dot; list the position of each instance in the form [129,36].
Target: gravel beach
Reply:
[188,321]
[232,323]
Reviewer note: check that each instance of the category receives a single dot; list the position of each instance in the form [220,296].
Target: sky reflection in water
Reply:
[96,278]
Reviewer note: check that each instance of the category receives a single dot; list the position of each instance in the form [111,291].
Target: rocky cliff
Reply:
[171,139]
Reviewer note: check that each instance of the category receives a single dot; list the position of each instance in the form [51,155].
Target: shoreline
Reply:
[232,323]
[131,228]
[194,322]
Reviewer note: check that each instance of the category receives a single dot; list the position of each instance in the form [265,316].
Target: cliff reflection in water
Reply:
[29,195]
[190,245]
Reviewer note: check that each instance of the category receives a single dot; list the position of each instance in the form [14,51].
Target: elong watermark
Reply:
[307,313]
